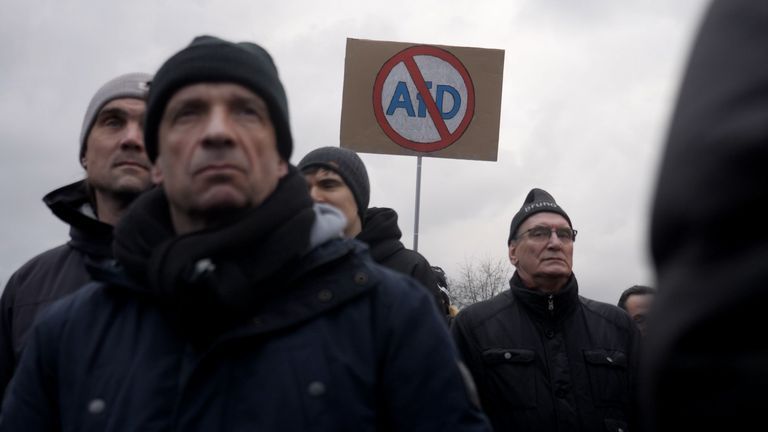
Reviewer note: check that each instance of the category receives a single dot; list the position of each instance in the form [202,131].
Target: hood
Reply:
[381,233]
[379,223]
[72,205]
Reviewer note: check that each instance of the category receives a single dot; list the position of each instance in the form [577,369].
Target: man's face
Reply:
[115,161]
[539,259]
[638,306]
[217,152]
[326,186]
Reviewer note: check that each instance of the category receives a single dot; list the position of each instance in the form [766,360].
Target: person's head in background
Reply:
[338,177]
[112,149]
[637,301]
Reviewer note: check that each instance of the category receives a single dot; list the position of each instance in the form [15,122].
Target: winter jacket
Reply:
[382,234]
[52,274]
[265,323]
[550,362]
[707,351]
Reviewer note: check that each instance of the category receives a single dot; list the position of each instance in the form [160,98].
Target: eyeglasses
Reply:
[543,233]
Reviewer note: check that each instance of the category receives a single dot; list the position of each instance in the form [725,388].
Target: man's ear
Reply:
[282,170]
[513,253]
[157,173]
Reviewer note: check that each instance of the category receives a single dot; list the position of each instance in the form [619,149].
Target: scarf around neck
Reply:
[227,270]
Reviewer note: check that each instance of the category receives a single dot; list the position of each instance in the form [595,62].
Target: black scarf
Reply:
[218,275]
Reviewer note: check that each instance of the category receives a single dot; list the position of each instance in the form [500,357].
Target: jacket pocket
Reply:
[511,375]
[607,370]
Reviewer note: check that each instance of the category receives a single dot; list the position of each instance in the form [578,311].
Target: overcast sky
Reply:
[588,89]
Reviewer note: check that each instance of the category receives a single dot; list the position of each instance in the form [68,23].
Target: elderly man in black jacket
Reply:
[543,357]
[116,172]
[237,304]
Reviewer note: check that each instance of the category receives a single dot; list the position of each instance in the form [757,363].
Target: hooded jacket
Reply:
[270,321]
[52,274]
[382,234]
[556,362]
[707,349]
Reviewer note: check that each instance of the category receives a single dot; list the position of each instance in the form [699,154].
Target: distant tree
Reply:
[480,280]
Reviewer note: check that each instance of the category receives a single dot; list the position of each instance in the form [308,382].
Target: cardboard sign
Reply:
[428,100]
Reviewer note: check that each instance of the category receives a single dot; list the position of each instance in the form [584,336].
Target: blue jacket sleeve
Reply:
[424,386]
[31,399]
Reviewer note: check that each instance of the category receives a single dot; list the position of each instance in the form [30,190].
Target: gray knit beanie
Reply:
[132,85]
[348,165]
[537,201]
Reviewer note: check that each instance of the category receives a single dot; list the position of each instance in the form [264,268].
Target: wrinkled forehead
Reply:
[544,219]
[207,91]
[127,105]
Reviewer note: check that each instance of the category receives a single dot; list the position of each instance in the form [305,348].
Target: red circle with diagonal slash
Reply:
[407,58]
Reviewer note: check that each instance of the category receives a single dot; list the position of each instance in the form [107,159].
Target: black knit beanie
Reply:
[210,59]
[537,201]
[348,165]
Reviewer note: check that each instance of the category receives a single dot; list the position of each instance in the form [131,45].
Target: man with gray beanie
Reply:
[543,357]
[117,170]
[338,177]
[236,303]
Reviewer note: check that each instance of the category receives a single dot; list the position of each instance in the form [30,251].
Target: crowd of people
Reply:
[208,284]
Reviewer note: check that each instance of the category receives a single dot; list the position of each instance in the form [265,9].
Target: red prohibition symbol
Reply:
[423,126]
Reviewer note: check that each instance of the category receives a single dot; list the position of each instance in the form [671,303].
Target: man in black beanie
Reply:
[236,304]
[338,177]
[543,357]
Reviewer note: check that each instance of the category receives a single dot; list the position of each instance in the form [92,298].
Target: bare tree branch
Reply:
[479,280]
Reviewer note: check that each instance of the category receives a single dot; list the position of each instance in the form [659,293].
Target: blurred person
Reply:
[543,357]
[706,353]
[636,301]
[237,304]
[442,283]
[117,170]
[338,177]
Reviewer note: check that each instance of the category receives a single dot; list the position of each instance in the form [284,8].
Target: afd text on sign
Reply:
[423,98]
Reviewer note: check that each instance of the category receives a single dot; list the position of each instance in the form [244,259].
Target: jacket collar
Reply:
[546,306]
[71,203]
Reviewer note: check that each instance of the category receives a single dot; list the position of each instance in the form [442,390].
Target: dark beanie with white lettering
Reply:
[209,59]
[537,201]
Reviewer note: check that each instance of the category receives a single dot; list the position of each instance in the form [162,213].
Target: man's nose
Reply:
[554,240]
[316,194]
[218,131]
[133,138]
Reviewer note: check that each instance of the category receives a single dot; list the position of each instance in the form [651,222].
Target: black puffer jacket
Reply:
[550,363]
[52,274]
[381,233]
[707,348]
